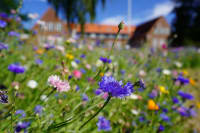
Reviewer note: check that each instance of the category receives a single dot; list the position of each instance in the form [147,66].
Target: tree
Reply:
[186,21]
[7,5]
[76,11]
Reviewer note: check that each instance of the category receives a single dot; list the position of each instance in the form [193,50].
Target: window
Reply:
[155,43]
[50,26]
[58,27]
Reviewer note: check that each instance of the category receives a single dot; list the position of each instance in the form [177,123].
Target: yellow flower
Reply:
[101,74]
[70,56]
[152,105]
[163,90]
[198,105]
[192,82]
[185,72]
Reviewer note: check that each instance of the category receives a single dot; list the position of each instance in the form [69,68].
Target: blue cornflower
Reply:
[3,97]
[16,68]
[38,109]
[21,113]
[105,60]
[164,117]
[175,100]
[85,97]
[4,15]
[115,88]
[3,46]
[83,56]
[77,61]
[48,46]
[83,70]
[161,128]
[13,33]
[3,24]
[38,61]
[185,95]
[122,72]
[21,126]
[183,111]
[103,124]
[182,80]
[77,88]
[98,91]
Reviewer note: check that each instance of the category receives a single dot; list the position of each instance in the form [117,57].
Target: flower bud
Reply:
[121,25]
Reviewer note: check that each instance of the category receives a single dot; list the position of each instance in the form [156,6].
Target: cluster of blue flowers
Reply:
[16,68]
[115,88]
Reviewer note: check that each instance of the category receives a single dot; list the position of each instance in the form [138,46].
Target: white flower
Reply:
[133,96]
[166,72]
[32,84]
[178,64]
[44,98]
[74,64]
[99,63]
[142,73]
[135,112]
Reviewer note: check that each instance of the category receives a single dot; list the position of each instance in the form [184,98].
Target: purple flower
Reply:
[103,124]
[161,128]
[175,100]
[105,60]
[21,113]
[185,95]
[21,126]
[115,88]
[4,15]
[82,56]
[3,24]
[13,33]
[98,91]
[16,68]
[182,80]
[38,61]
[85,97]
[38,109]
[3,46]
[3,97]
[164,117]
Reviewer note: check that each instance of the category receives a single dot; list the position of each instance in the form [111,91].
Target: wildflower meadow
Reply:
[72,87]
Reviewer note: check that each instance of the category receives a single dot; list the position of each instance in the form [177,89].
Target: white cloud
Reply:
[160,9]
[113,20]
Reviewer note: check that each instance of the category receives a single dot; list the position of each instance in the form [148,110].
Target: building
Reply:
[154,32]
[52,28]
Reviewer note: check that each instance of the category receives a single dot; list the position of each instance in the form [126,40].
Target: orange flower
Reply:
[198,105]
[152,105]
[39,51]
[192,82]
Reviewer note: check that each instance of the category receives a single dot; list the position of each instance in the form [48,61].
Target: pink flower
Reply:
[77,74]
[63,86]
[56,82]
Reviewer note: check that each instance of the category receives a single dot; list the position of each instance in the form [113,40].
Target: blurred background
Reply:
[153,22]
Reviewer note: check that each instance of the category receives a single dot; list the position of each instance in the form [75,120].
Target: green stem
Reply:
[106,102]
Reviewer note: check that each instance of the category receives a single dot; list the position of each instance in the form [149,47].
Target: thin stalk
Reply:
[106,102]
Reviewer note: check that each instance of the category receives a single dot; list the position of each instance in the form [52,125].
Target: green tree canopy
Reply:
[186,24]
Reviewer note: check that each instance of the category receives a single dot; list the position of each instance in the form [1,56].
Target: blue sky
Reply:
[114,11]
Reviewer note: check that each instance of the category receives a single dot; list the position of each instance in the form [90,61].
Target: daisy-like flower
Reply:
[56,82]
[115,88]
[32,84]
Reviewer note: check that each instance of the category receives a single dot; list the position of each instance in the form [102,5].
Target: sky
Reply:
[113,12]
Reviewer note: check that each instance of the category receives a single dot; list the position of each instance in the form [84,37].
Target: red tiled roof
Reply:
[50,16]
